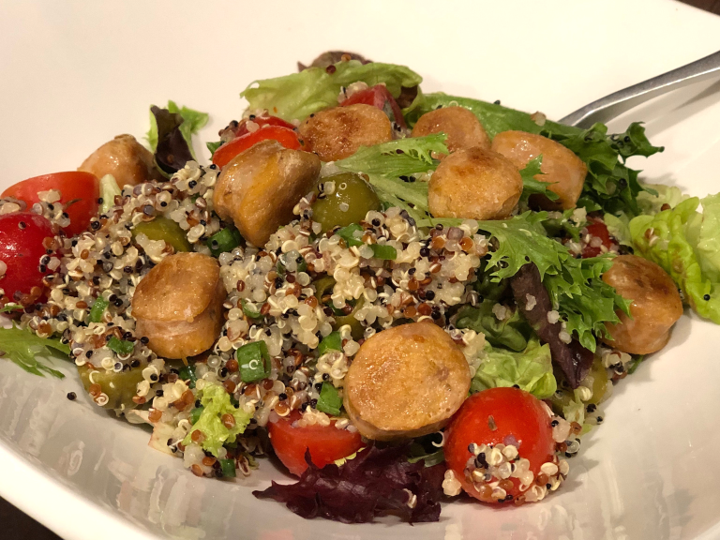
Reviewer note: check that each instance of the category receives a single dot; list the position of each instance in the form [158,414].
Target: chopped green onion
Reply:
[253,361]
[224,240]
[348,234]
[227,466]
[329,401]
[9,308]
[98,308]
[386,253]
[195,414]
[188,374]
[247,310]
[120,346]
[331,342]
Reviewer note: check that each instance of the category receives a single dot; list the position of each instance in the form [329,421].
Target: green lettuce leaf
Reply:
[108,191]
[531,370]
[610,185]
[619,227]
[656,196]
[24,347]
[532,186]
[391,168]
[584,300]
[510,333]
[296,96]
[216,403]
[685,243]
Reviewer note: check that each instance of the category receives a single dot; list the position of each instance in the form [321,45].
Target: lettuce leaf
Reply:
[685,243]
[108,191]
[610,185]
[531,370]
[170,135]
[24,347]
[296,96]
[532,186]
[584,300]
[655,196]
[391,168]
[216,403]
[509,333]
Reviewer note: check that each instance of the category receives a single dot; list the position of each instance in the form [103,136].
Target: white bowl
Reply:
[74,74]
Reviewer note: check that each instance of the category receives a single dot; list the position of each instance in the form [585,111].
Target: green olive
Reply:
[162,228]
[324,286]
[601,382]
[120,387]
[351,199]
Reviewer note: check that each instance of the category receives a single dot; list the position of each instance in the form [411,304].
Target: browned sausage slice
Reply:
[474,184]
[656,305]
[461,126]
[178,305]
[127,160]
[339,132]
[406,381]
[560,166]
[260,187]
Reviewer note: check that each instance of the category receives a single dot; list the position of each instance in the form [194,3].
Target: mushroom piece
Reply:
[259,188]
[178,305]
[405,382]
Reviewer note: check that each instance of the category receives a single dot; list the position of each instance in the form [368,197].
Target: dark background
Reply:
[18,526]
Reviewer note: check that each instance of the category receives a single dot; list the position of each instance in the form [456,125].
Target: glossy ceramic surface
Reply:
[75,74]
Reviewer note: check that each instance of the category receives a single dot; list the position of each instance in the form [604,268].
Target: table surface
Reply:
[19,526]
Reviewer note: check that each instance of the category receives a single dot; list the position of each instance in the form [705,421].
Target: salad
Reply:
[406,297]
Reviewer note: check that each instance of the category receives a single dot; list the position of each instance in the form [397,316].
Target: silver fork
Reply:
[611,106]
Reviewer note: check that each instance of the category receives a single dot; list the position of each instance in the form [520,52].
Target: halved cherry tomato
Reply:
[378,96]
[21,251]
[261,121]
[81,189]
[326,443]
[499,415]
[599,230]
[285,136]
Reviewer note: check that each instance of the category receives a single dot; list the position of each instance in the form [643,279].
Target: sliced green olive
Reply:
[324,286]
[120,387]
[162,228]
[349,202]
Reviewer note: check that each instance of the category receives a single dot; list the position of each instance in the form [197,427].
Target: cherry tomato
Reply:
[81,189]
[599,230]
[326,443]
[285,136]
[378,96]
[261,121]
[499,415]
[21,248]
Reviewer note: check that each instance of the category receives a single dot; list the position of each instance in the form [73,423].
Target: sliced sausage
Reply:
[474,184]
[461,126]
[406,381]
[656,305]
[258,189]
[339,132]
[178,305]
[127,160]
[560,166]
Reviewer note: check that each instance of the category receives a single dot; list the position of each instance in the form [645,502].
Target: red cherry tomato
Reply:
[21,248]
[599,230]
[499,415]
[285,136]
[378,96]
[261,121]
[82,189]
[326,443]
